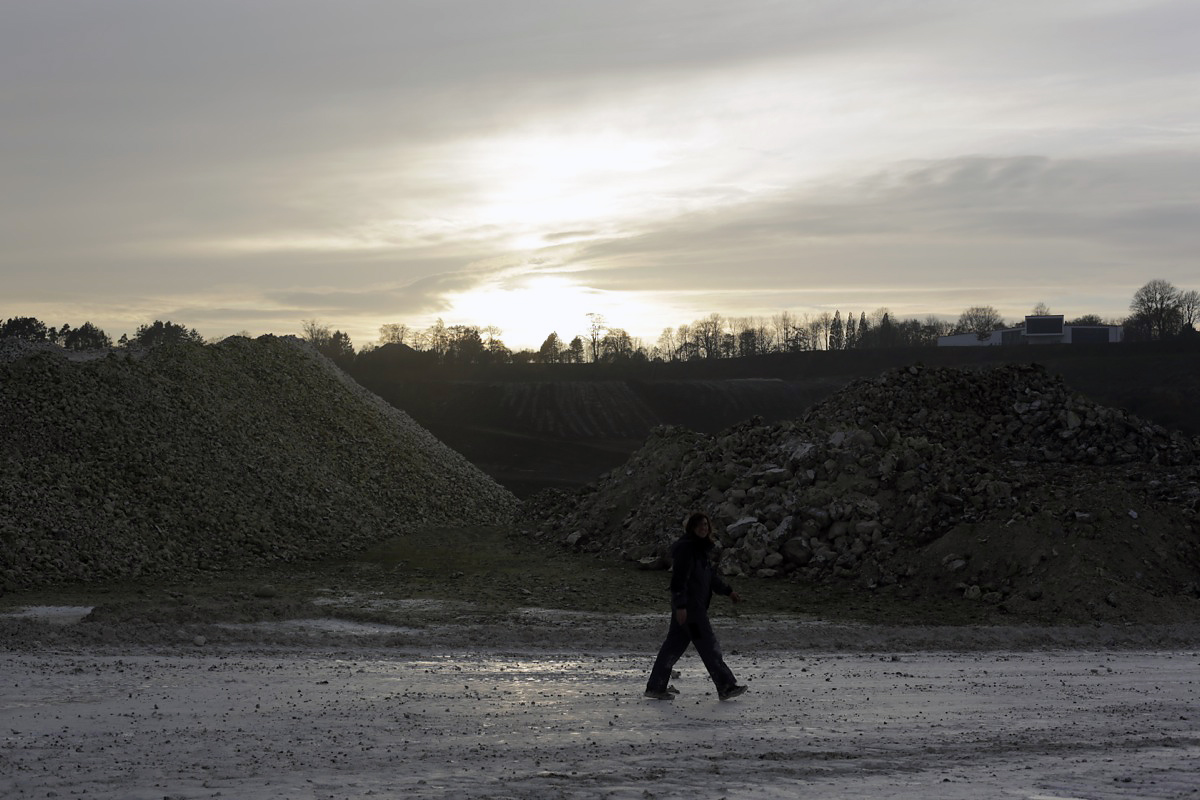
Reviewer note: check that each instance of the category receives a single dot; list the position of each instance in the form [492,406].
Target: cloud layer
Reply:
[247,165]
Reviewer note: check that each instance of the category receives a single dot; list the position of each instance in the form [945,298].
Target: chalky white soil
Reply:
[353,720]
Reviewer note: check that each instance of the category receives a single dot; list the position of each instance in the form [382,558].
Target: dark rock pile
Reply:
[1015,412]
[1000,486]
[193,456]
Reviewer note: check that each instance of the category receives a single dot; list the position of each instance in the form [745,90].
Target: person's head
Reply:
[699,525]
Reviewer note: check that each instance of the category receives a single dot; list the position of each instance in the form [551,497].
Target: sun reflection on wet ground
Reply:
[513,723]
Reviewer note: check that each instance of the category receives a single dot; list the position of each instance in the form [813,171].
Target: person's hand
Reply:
[735,597]
[681,616]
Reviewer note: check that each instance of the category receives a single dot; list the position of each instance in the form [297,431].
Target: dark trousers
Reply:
[699,632]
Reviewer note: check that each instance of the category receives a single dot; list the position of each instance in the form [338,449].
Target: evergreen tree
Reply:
[837,332]
[887,332]
[338,349]
[167,332]
[31,329]
[86,337]
[551,350]
[574,353]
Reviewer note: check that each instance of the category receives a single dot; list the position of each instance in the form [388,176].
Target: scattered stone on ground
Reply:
[1000,486]
[191,457]
[573,725]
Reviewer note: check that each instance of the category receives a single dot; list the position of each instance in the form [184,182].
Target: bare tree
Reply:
[932,328]
[1189,308]
[684,343]
[707,333]
[667,345]
[765,334]
[315,332]
[497,352]
[979,320]
[464,345]
[438,338]
[616,345]
[1040,310]
[1086,319]
[728,344]
[820,327]
[596,328]
[783,326]
[393,333]
[1158,305]
[419,340]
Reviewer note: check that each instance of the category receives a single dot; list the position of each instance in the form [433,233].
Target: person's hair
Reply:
[693,521]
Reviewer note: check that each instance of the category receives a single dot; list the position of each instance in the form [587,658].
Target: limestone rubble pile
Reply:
[1002,486]
[189,456]
[1018,411]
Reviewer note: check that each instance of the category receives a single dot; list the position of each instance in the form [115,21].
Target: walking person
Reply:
[693,581]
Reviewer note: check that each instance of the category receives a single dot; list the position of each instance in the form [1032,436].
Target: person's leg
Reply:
[710,653]
[673,647]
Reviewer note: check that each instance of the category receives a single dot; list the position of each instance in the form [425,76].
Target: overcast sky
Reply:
[247,164]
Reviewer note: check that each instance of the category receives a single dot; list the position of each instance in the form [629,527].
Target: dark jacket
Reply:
[693,576]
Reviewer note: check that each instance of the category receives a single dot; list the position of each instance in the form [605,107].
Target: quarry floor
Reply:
[466,665]
[340,716]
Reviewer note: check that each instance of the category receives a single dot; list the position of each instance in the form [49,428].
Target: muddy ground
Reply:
[474,663]
[351,722]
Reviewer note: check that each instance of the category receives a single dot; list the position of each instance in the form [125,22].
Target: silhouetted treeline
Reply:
[1161,311]
[1158,311]
[89,337]
[714,337]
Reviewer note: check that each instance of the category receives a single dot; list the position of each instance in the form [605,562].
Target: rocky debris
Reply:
[192,456]
[999,486]
[1017,411]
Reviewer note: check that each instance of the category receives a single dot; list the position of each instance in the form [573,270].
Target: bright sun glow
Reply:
[537,184]
[529,309]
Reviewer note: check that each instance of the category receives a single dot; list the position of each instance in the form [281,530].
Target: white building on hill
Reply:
[1039,329]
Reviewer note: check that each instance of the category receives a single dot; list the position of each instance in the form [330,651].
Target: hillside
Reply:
[534,427]
[196,457]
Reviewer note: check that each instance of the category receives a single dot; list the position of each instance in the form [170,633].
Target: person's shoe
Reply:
[731,692]
[662,695]
[672,690]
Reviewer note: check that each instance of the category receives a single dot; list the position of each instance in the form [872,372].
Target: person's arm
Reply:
[681,573]
[721,587]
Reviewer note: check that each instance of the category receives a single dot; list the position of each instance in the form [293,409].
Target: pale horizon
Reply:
[250,166]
